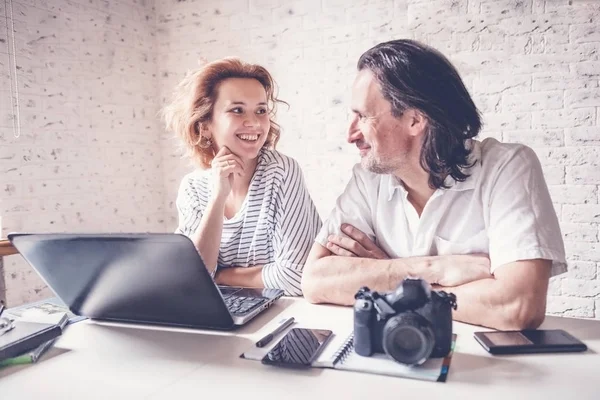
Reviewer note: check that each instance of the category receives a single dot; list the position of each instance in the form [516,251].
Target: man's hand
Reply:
[356,244]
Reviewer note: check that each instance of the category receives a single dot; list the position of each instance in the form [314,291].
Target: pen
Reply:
[282,325]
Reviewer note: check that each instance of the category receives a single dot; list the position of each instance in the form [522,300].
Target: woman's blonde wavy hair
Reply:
[194,99]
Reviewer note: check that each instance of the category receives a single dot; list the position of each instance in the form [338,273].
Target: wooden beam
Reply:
[6,248]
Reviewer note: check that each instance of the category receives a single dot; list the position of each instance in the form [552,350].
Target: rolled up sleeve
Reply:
[189,208]
[297,224]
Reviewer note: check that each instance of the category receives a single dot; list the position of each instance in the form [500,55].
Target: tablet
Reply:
[529,341]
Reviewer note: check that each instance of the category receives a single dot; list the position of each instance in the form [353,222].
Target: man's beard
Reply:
[370,163]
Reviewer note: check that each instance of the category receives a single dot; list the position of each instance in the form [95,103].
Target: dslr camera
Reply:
[411,324]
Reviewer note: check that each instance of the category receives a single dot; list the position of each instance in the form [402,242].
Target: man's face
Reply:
[386,143]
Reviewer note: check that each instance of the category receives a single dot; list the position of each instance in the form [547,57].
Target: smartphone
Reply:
[298,348]
[529,341]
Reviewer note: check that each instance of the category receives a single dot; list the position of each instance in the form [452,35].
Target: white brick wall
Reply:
[533,67]
[88,158]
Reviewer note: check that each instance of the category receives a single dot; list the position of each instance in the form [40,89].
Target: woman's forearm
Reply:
[207,237]
[242,277]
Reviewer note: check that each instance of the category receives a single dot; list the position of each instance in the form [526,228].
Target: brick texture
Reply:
[88,158]
[532,66]
[93,77]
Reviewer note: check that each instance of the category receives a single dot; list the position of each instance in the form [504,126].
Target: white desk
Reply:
[100,361]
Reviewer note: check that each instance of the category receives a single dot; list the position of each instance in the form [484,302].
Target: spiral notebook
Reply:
[339,354]
[345,358]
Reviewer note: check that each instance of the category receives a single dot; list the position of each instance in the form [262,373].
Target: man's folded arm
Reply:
[513,299]
[335,279]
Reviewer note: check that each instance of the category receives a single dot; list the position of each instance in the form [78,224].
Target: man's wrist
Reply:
[433,268]
[427,267]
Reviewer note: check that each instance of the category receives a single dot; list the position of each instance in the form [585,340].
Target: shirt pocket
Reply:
[478,243]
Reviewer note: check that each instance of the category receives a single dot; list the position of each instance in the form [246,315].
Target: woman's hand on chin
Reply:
[224,166]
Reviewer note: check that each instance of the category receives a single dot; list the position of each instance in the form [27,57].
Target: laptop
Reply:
[139,278]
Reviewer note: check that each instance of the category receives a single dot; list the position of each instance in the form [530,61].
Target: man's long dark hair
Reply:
[415,76]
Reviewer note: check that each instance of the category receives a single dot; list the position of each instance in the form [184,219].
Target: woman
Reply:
[246,209]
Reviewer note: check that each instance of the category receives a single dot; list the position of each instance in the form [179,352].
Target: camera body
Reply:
[411,324]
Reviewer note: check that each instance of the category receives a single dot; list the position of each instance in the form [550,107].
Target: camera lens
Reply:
[408,338]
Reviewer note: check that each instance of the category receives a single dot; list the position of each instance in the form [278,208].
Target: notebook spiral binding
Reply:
[344,350]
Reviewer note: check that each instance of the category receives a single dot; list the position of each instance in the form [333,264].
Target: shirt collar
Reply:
[393,185]
[474,160]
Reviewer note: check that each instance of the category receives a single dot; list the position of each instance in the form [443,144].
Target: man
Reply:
[473,218]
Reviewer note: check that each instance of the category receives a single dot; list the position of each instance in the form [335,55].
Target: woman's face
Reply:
[240,119]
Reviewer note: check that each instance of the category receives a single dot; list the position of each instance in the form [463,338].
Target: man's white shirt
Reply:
[502,209]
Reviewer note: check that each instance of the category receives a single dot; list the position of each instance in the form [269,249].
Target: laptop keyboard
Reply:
[240,305]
